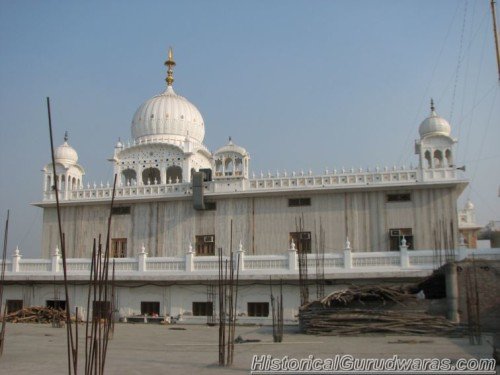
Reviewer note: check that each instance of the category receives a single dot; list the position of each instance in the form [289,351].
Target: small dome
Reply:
[469,205]
[167,114]
[231,147]
[434,125]
[65,154]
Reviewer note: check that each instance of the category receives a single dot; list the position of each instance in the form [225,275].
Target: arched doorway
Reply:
[174,174]
[151,176]
[128,177]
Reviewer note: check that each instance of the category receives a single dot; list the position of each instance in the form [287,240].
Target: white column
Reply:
[292,257]
[462,249]
[16,259]
[138,175]
[56,256]
[190,259]
[163,173]
[403,252]
[240,258]
[142,256]
[347,255]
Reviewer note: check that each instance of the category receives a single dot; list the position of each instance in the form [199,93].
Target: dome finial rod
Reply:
[66,137]
[432,105]
[170,63]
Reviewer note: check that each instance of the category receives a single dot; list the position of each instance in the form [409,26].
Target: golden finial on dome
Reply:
[170,63]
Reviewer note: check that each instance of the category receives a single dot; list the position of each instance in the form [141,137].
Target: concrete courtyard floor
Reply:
[157,349]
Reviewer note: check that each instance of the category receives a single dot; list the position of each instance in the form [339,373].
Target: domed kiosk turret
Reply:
[65,154]
[231,161]
[435,145]
[434,125]
[69,172]
[167,132]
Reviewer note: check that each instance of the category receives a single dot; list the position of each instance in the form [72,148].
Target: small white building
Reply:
[176,203]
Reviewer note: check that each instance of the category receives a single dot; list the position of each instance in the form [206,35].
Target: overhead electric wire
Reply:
[469,46]
[485,133]
[474,96]
[466,76]
[425,96]
[459,64]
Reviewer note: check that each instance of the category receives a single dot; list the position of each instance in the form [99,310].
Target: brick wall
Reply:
[488,290]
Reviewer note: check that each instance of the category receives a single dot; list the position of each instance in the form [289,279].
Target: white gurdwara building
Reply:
[176,203]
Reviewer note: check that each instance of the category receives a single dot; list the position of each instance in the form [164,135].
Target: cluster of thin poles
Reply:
[2,279]
[101,325]
[443,239]
[473,307]
[277,312]
[320,262]
[102,293]
[228,296]
[302,257]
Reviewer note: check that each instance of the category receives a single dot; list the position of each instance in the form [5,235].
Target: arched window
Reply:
[174,174]
[128,177]
[229,167]
[218,167]
[238,166]
[62,180]
[449,159]
[48,187]
[73,184]
[438,159]
[151,176]
[428,158]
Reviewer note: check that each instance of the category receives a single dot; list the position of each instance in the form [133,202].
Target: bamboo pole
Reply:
[495,33]
[69,332]
[2,283]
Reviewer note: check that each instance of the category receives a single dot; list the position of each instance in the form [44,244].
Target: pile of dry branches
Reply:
[36,314]
[371,309]
[368,293]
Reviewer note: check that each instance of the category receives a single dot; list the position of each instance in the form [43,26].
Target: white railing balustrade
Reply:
[165,264]
[281,264]
[332,180]
[35,265]
[379,259]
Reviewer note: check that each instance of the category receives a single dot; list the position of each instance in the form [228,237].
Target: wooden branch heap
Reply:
[36,314]
[371,309]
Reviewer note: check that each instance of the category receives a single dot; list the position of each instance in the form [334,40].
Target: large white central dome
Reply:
[166,116]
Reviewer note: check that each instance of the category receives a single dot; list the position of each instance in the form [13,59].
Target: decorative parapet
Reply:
[254,266]
[278,182]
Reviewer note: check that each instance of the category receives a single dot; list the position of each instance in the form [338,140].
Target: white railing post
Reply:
[190,259]
[56,256]
[292,257]
[403,253]
[16,259]
[142,256]
[240,258]
[462,249]
[347,255]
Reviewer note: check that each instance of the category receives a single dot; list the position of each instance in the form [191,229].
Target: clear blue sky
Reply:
[300,84]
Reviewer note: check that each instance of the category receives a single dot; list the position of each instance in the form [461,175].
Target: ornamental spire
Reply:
[170,63]
[66,136]
[432,105]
